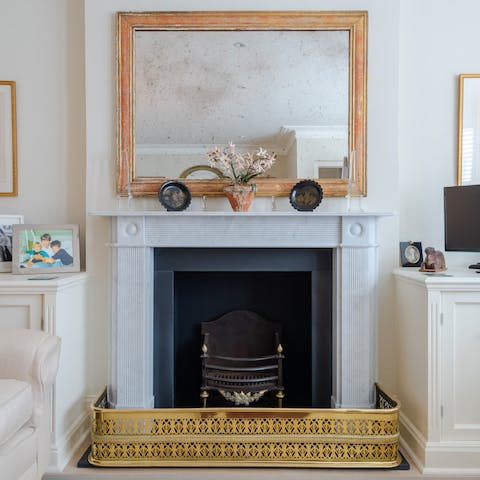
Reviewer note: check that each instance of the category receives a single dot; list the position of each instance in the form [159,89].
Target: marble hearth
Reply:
[351,236]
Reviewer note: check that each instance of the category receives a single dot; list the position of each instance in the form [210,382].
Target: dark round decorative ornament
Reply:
[174,196]
[306,195]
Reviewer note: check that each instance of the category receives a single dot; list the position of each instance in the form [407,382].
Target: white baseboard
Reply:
[452,458]
[412,441]
[69,444]
[439,458]
[90,400]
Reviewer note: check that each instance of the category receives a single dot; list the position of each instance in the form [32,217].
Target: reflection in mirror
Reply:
[195,91]
[469,129]
[202,172]
[293,83]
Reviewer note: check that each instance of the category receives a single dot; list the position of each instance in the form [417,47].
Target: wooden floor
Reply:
[71,472]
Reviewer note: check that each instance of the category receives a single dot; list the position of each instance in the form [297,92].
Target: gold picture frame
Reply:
[8,139]
[468,164]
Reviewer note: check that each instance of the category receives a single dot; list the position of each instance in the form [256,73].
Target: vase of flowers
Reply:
[241,168]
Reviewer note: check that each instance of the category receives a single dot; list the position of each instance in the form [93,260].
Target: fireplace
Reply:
[290,286]
[350,239]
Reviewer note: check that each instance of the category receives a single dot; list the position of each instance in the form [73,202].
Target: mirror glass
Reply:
[284,91]
[290,82]
[469,129]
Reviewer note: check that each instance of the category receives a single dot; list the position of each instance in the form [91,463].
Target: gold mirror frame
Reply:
[355,22]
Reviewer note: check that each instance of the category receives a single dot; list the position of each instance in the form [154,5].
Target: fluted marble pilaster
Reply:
[356,339]
[131,326]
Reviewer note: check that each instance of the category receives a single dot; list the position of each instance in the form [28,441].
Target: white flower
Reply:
[240,167]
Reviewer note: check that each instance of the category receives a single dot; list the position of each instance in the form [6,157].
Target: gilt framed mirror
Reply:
[291,82]
[468,161]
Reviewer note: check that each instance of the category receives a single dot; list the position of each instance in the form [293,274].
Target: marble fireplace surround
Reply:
[351,236]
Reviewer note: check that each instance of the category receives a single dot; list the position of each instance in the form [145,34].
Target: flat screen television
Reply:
[462,219]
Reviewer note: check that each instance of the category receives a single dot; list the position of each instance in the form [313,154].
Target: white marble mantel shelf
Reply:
[226,213]
[135,234]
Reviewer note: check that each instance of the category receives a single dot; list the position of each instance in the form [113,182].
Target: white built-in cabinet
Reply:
[438,368]
[56,306]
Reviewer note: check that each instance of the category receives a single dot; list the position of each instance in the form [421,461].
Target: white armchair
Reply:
[28,366]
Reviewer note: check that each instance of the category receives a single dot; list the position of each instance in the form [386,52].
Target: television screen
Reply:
[462,218]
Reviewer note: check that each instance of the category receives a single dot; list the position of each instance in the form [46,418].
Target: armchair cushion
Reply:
[16,407]
[30,356]
[28,365]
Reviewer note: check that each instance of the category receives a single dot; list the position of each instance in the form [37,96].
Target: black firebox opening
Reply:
[292,287]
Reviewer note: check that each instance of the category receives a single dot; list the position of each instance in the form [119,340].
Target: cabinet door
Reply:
[23,311]
[460,366]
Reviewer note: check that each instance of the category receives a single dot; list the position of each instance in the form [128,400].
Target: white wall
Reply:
[439,40]
[41,49]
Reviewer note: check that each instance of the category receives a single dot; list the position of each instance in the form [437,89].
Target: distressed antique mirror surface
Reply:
[468,129]
[292,82]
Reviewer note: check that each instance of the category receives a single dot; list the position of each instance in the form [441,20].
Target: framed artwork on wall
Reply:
[8,139]
[6,240]
[45,249]
[468,157]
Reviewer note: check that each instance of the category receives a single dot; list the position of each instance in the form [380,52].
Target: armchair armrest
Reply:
[31,356]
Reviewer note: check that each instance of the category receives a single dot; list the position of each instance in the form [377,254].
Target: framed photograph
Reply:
[45,249]
[411,254]
[8,140]
[6,240]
